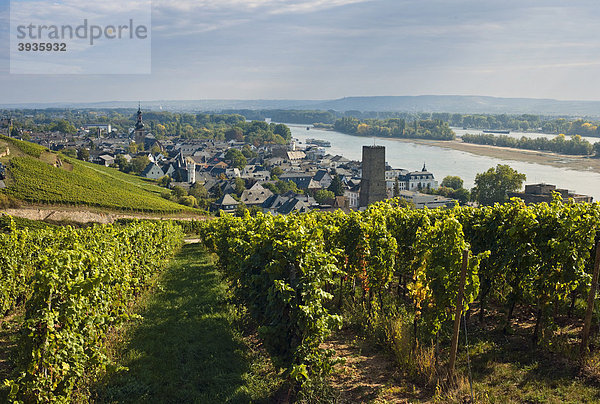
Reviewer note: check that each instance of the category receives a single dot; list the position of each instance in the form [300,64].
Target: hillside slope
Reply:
[463,104]
[39,176]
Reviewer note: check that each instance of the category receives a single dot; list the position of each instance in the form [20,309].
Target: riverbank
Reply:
[577,163]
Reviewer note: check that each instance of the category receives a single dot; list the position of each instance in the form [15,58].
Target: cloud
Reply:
[194,17]
[266,6]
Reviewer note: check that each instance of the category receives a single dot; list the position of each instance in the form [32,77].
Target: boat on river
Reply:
[318,142]
[499,132]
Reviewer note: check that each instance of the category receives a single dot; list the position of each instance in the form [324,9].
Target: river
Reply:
[442,162]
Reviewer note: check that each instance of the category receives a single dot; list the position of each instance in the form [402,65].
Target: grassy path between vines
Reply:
[186,348]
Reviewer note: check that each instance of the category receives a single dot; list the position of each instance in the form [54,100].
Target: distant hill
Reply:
[423,103]
[464,105]
[37,175]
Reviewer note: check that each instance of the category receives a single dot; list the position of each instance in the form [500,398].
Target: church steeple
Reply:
[140,130]
[139,124]
[424,169]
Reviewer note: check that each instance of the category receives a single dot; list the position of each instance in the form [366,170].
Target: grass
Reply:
[187,348]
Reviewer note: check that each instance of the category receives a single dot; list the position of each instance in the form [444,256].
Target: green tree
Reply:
[248,152]
[198,191]
[235,133]
[138,164]
[396,188]
[188,200]
[178,192]
[492,186]
[462,195]
[276,172]
[336,186]
[122,163]
[236,157]
[164,181]
[283,131]
[133,148]
[240,186]
[63,126]
[452,181]
[324,196]
[281,187]
[83,154]
[597,149]
[217,192]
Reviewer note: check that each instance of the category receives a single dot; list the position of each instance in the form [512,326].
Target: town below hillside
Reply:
[223,162]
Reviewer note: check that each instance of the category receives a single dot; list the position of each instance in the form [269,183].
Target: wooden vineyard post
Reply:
[587,324]
[459,304]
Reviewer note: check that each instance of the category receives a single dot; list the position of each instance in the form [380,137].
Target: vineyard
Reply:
[405,279]
[74,285]
[34,180]
[302,276]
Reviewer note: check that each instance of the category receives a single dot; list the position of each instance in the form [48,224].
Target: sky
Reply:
[326,49]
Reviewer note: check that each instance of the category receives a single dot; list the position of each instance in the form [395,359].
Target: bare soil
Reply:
[78,215]
[579,163]
[9,328]
[367,374]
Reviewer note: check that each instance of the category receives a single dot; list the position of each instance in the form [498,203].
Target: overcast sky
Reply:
[324,49]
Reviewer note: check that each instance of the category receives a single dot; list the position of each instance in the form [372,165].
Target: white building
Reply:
[352,195]
[393,175]
[420,180]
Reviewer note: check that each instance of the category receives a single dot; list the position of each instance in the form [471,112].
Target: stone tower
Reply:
[372,185]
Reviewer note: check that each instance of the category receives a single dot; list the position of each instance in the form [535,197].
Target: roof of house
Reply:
[292,205]
[296,155]
[255,196]
[427,174]
[340,159]
[257,187]
[149,168]
[312,184]
[320,175]
[226,200]
[274,201]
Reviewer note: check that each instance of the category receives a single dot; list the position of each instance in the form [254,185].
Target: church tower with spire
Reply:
[139,131]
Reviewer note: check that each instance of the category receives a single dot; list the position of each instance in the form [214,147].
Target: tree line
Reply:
[165,123]
[560,144]
[396,128]
[515,122]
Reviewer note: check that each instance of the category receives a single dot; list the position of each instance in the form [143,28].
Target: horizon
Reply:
[297,99]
